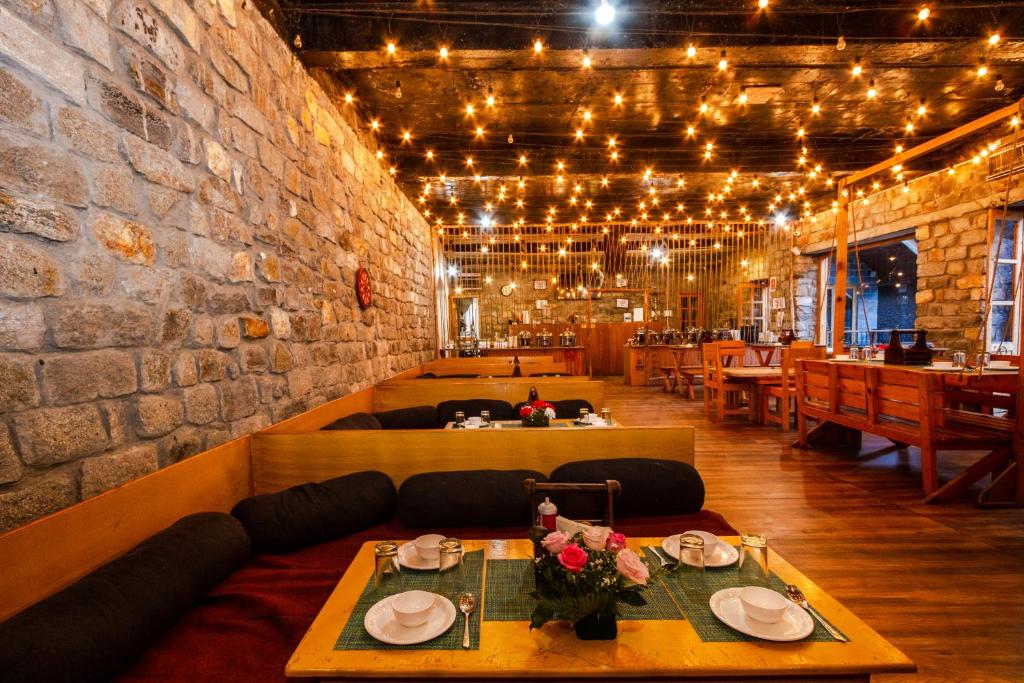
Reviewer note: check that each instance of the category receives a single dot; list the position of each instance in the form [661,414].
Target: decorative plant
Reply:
[584,578]
[537,414]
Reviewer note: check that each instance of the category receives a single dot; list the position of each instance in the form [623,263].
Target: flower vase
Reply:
[597,626]
[536,420]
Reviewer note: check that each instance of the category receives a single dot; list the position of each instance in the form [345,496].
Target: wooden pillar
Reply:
[839,292]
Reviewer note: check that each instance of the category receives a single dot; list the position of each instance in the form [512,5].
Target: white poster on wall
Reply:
[638,315]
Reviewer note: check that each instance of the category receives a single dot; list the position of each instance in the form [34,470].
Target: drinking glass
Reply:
[753,569]
[959,359]
[983,360]
[854,353]
[606,415]
[385,568]
[460,418]
[584,415]
[690,571]
[451,568]
[485,418]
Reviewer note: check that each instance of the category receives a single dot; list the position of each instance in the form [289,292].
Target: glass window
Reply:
[1005,264]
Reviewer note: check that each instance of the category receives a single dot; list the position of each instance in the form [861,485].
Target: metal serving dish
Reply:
[567,338]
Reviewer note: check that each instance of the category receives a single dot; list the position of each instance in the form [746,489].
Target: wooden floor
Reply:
[944,583]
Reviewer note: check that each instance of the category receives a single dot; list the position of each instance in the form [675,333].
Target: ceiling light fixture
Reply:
[923,13]
[604,14]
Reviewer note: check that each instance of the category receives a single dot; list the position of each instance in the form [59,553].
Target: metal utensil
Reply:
[797,596]
[665,559]
[466,605]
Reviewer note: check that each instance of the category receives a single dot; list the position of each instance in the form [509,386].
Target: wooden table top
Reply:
[643,648]
[754,373]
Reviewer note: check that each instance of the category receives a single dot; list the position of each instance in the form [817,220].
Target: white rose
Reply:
[550,413]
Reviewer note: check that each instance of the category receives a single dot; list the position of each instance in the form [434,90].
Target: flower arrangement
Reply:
[537,414]
[583,579]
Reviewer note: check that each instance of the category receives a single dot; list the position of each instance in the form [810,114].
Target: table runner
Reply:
[355,637]
[510,582]
[694,599]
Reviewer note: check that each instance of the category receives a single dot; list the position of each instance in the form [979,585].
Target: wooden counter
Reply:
[640,363]
[574,357]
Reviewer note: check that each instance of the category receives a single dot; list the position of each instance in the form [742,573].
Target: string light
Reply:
[391,47]
[349,98]
[762,4]
[994,39]
[872,91]
[742,99]
[604,14]
[723,63]
[490,98]
[857,69]
[443,52]
[982,68]
[691,51]
[815,107]
[617,100]
[586,61]
[538,46]
[923,13]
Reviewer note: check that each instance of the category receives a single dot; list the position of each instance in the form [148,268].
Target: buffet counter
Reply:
[574,357]
[643,364]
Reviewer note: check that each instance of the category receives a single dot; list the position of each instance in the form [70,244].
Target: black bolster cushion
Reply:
[355,421]
[417,417]
[649,486]
[500,410]
[313,513]
[479,498]
[427,375]
[98,625]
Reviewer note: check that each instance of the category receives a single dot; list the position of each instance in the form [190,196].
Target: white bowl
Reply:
[412,608]
[763,604]
[710,542]
[475,420]
[427,546]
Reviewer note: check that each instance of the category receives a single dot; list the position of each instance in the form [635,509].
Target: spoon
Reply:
[466,605]
[797,596]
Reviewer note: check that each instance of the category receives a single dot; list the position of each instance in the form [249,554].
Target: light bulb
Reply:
[586,61]
[618,100]
[398,90]
[538,46]
[443,52]
[923,13]
[703,105]
[857,69]
[691,51]
[922,109]
[470,110]
[872,91]
[406,136]
[762,4]
[815,107]
[982,68]
[392,48]
[349,98]
[490,99]
[723,64]
[994,39]
[841,43]
[587,115]
[604,14]
[742,99]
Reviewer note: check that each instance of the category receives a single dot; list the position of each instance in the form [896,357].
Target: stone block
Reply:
[27,271]
[35,170]
[254,327]
[158,415]
[120,106]
[201,404]
[270,267]
[48,436]
[228,336]
[300,382]
[120,418]
[183,19]
[222,300]
[24,45]
[128,240]
[214,366]
[254,359]
[280,323]
[154,370]
[113,185]
[18,386]
[249,425]
[10,464]
[238,399]
[180,444]
[162,200]
[241,267]
[81,324]
[42,218]
[105,472]
[41,496]
[22,326]
[174,327]
[156,165]
[139,22]
[85,134]
[184,369]
[19,106]
[203,331]
[84,30]
[79,377]
[280,357]
[217,160]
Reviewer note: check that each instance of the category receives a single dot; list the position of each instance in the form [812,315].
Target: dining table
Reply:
[675,636]
[757,377]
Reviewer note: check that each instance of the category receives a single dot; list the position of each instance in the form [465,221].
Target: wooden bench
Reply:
[910,406]
[404,393]
[497,366]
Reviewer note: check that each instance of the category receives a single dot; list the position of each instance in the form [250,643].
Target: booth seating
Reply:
[165,611]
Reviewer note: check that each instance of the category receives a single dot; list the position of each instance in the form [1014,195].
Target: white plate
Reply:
[723,556]
[380,623]
[795,624]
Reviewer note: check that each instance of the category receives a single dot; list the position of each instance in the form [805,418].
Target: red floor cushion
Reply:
[248,626]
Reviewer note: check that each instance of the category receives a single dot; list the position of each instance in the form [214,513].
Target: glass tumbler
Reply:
[854,353]
[485,418]
[753,569]
[460,418]
[584,415]
[385,568]
[606,415]
[959,359]
[983,360]
[451,568]
[690,571]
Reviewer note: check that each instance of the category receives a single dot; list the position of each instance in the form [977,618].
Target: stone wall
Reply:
[182,211]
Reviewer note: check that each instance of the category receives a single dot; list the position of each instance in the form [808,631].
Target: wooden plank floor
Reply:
[943,583]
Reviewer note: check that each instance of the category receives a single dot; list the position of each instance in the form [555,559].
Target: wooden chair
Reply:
[723,396]
[801,345]
[785,393]
[609,489]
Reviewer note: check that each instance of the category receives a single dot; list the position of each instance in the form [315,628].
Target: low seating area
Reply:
[436,417]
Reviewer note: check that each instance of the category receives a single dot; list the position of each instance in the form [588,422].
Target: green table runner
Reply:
[694,597]
[355,637]
[510,582]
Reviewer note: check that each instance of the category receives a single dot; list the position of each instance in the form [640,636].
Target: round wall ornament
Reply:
[364,288]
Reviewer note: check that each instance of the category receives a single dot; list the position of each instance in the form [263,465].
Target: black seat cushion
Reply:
[564,410]
[355,421]
[459,376]
[313,513]
[427,375]
[483,498]
[500,410]
[416,417]
[98,625]
[649,486]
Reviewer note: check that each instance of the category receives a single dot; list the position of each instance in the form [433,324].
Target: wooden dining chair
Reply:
[579,497]
[801,345]
[785,393]
[724,396]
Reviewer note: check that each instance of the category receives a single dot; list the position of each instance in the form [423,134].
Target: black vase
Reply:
[597,626]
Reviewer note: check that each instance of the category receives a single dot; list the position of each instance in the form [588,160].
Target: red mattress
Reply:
[247,627]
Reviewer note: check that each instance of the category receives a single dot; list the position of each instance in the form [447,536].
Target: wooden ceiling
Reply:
[781,60]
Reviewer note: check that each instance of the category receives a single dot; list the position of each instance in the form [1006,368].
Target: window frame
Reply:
[994,261]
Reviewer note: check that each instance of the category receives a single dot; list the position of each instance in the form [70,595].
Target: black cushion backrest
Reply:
[313,513]
[649,486]
[500,410]
[98,625]
[459,376]
[564,410]
[355,421]
[416,417]
[480,498]
[427,375]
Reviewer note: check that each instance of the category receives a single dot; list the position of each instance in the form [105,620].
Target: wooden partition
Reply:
[283,460]
[46,555]
[403,393]
[498,366]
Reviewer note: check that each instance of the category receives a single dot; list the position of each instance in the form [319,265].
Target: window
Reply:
[1004,277]
[881,290]
[752,306]
[691,310]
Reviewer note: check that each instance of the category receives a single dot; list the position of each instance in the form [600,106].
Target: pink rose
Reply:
[616,542]
[573,558]
[632,567]
[595,537]
[555,541]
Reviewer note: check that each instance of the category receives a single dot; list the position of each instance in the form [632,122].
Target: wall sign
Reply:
[622,303]
[773,283]
[540,284]
[364,290]
[541,304]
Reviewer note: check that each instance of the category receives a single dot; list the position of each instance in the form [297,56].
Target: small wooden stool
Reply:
[691,376]
[669,377]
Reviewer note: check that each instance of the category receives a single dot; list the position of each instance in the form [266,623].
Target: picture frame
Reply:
[627,317]
[622,303]
[540,284]
[541,304]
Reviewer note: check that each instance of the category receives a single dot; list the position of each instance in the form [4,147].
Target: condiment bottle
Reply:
[547,513]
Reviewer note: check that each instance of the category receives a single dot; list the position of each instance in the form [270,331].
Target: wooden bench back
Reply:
[718,355]
[416,392]
[498,366]
[790,355]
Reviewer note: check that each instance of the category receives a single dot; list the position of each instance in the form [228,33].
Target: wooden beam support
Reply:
[842,249]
